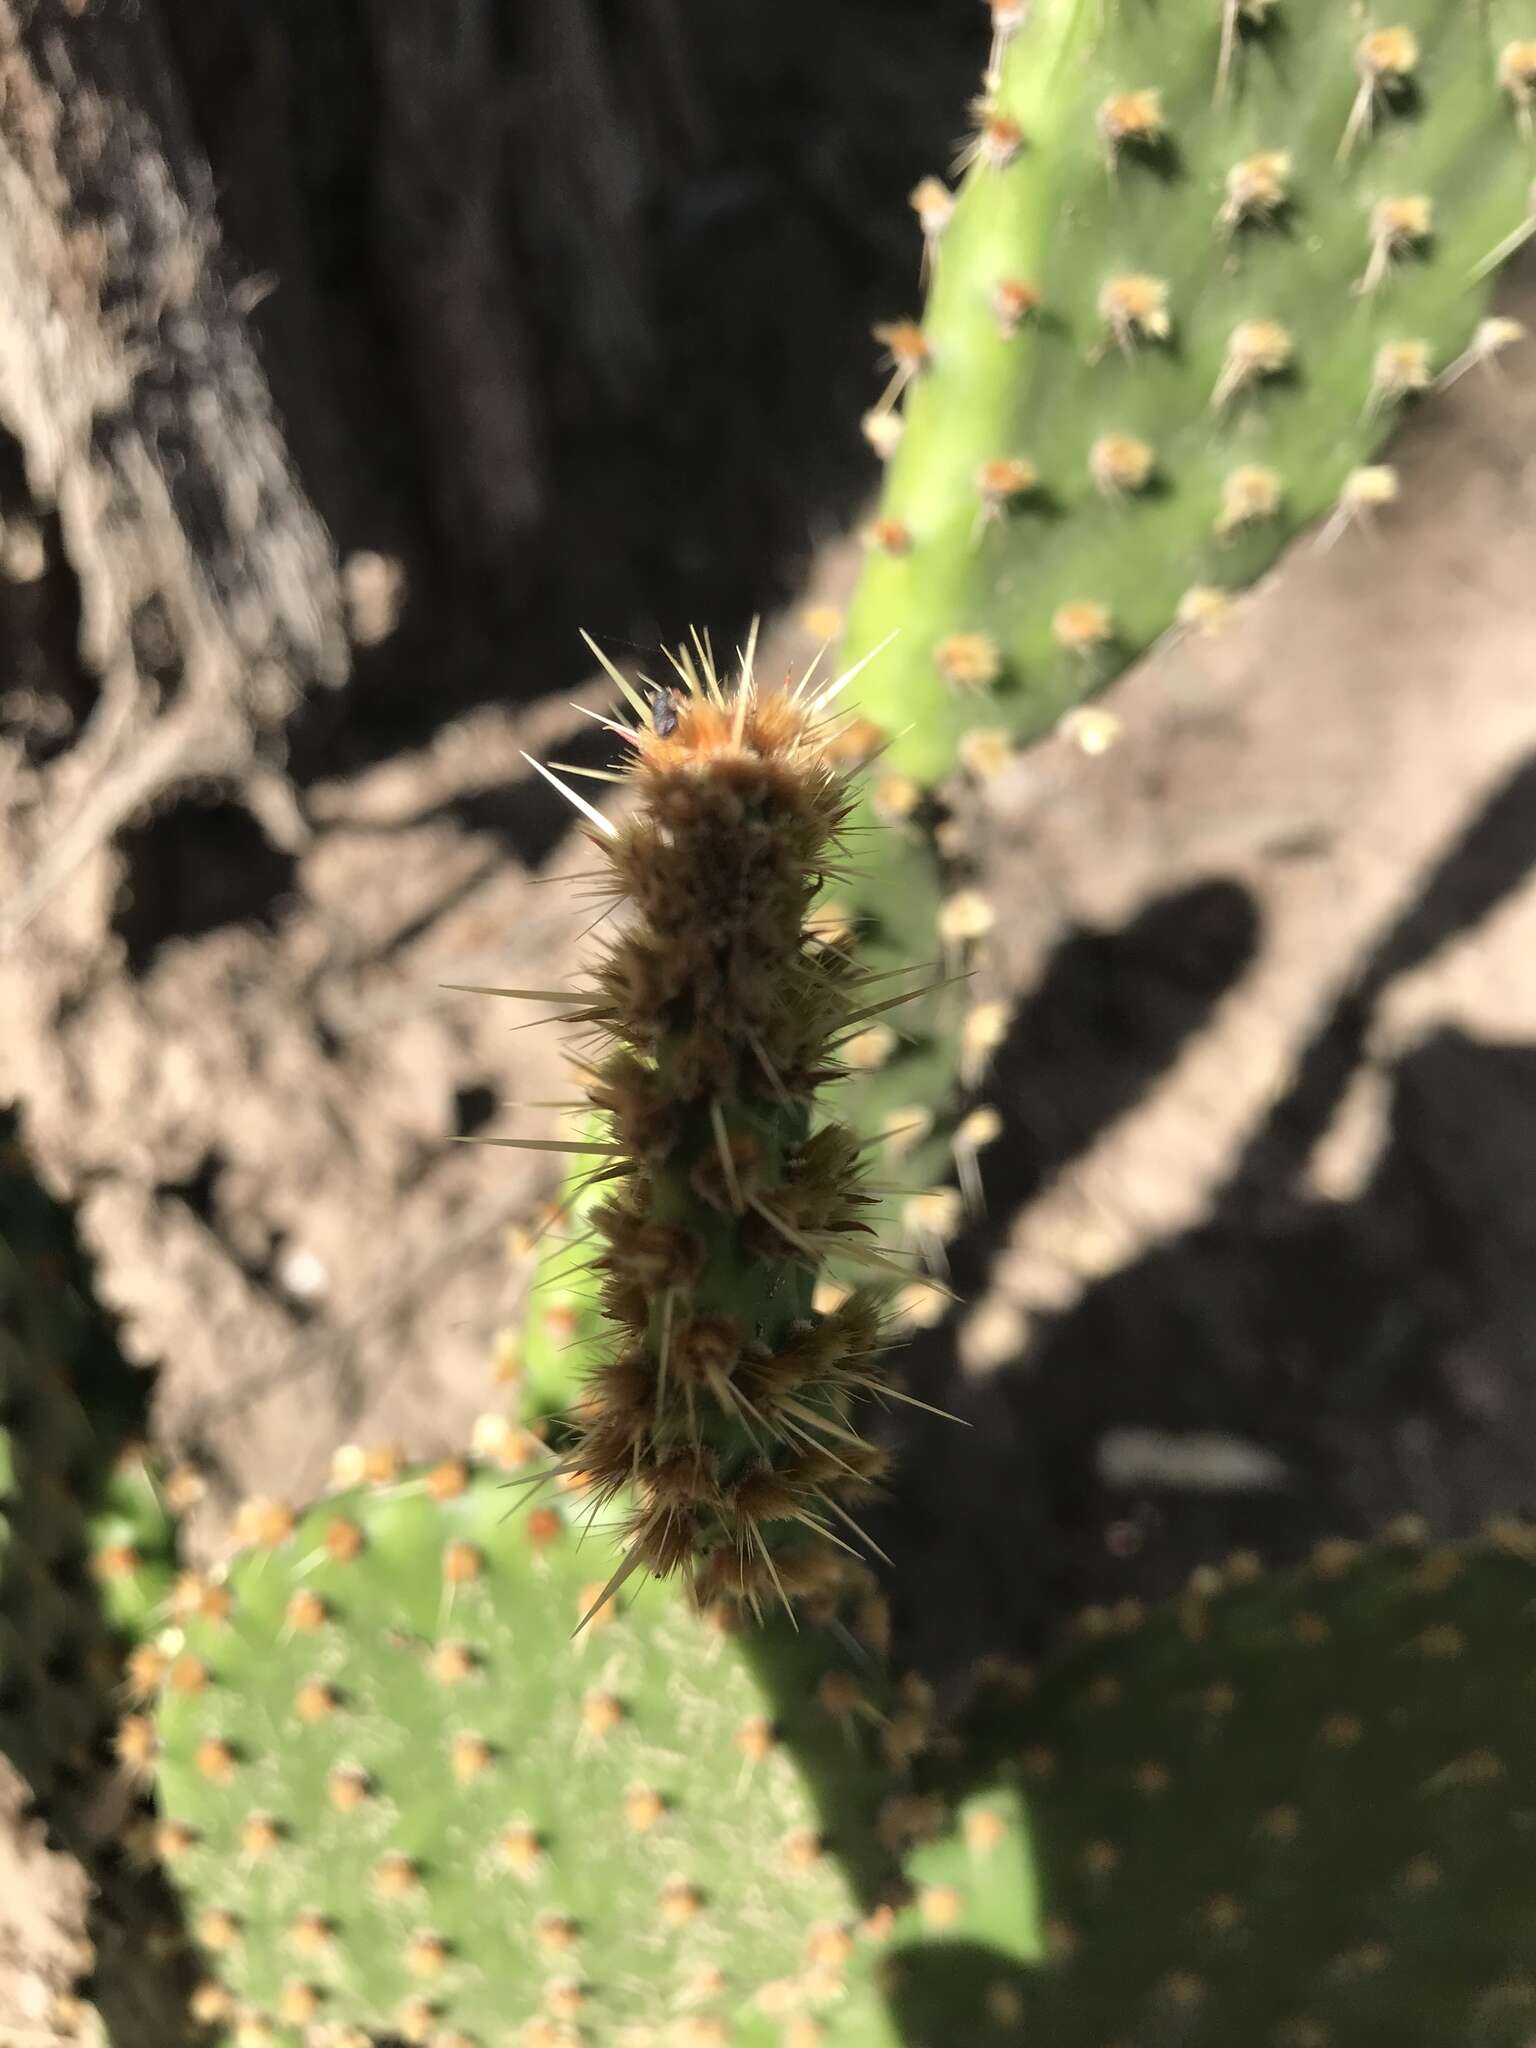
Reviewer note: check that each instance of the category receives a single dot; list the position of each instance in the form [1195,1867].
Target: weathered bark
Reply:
[209,601]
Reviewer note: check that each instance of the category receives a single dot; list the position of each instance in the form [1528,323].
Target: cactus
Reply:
[398,1798]
[85,1535]
[1203,257]
[563,1318]
[731,1413]
[1291,1810]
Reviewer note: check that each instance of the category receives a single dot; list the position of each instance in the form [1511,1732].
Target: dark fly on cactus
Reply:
[663,712]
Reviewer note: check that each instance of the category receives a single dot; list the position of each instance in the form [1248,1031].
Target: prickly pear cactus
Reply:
[402,1794]
[1202,257]
[85,1535]
[731,1412]
[1296,1811]
[399,1799]
[562,1321]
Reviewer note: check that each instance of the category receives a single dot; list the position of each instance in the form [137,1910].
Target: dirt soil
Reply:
[42,1914]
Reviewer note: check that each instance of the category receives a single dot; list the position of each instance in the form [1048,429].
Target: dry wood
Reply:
[208,591]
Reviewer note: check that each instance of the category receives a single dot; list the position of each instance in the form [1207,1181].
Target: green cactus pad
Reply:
[402,1794]
[1232,279]
[85,1536]
[562,1317]
[1205,254]
[1297,1812]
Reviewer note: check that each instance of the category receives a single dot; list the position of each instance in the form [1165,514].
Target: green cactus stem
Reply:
[732,1411]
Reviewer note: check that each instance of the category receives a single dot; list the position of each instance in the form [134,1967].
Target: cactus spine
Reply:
[731,1413]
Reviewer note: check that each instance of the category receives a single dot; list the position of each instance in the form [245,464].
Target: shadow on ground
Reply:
[1377,1346]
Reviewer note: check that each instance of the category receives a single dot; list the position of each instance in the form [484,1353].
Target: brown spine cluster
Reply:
[728,1416]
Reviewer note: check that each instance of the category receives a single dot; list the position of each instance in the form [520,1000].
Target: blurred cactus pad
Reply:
[402,1802]
[85,1536]
[1295,1811]
[1204,253]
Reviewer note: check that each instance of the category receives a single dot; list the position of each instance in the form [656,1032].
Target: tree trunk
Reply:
[208,598]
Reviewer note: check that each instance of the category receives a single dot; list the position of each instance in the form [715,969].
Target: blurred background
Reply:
[353,358]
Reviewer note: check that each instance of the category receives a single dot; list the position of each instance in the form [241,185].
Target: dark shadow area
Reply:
[71,1412]
[842,1768]
[569,309]
[1157,1836]
[1379,1346]
[46,693]
[473,1109]
[941,1993]
[1110,1013]
[192,868]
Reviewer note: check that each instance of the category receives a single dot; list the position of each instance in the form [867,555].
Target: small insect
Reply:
[663,712]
